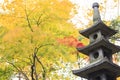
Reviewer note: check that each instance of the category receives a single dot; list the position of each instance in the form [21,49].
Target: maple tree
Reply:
[29,33]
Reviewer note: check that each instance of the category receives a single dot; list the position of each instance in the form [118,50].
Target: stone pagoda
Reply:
[100,51]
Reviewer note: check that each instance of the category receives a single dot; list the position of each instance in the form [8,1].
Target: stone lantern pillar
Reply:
[100,51]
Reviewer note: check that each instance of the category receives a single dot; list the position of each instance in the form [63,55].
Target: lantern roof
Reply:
[101,43]
[98,26]
[100,66]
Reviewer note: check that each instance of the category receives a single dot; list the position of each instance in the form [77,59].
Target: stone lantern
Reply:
[100,51]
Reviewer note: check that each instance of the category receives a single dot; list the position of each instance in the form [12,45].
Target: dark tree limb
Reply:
[44,71]
[34,75]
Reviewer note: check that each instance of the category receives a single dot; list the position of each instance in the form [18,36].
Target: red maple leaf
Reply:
[70,41]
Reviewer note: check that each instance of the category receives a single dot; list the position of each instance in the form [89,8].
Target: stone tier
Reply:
[105,30]
[101,43]
[100,66]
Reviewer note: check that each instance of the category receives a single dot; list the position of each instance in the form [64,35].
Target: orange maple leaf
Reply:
[70,41]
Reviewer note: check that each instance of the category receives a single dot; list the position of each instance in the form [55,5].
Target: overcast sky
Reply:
[110,13]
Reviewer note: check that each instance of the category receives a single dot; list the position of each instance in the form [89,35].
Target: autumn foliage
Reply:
[70,41]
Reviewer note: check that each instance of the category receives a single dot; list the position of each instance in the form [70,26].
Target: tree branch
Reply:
[33,66]
[19,70]
[28,20]
[40,46]
[44,71]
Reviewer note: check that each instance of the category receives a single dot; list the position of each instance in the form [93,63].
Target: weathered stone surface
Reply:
[96,14]
[99,50]
[100,66]
[105,30]
[103,43]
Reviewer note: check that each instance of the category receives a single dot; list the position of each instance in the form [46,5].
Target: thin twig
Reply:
[19,70]
[27,17]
